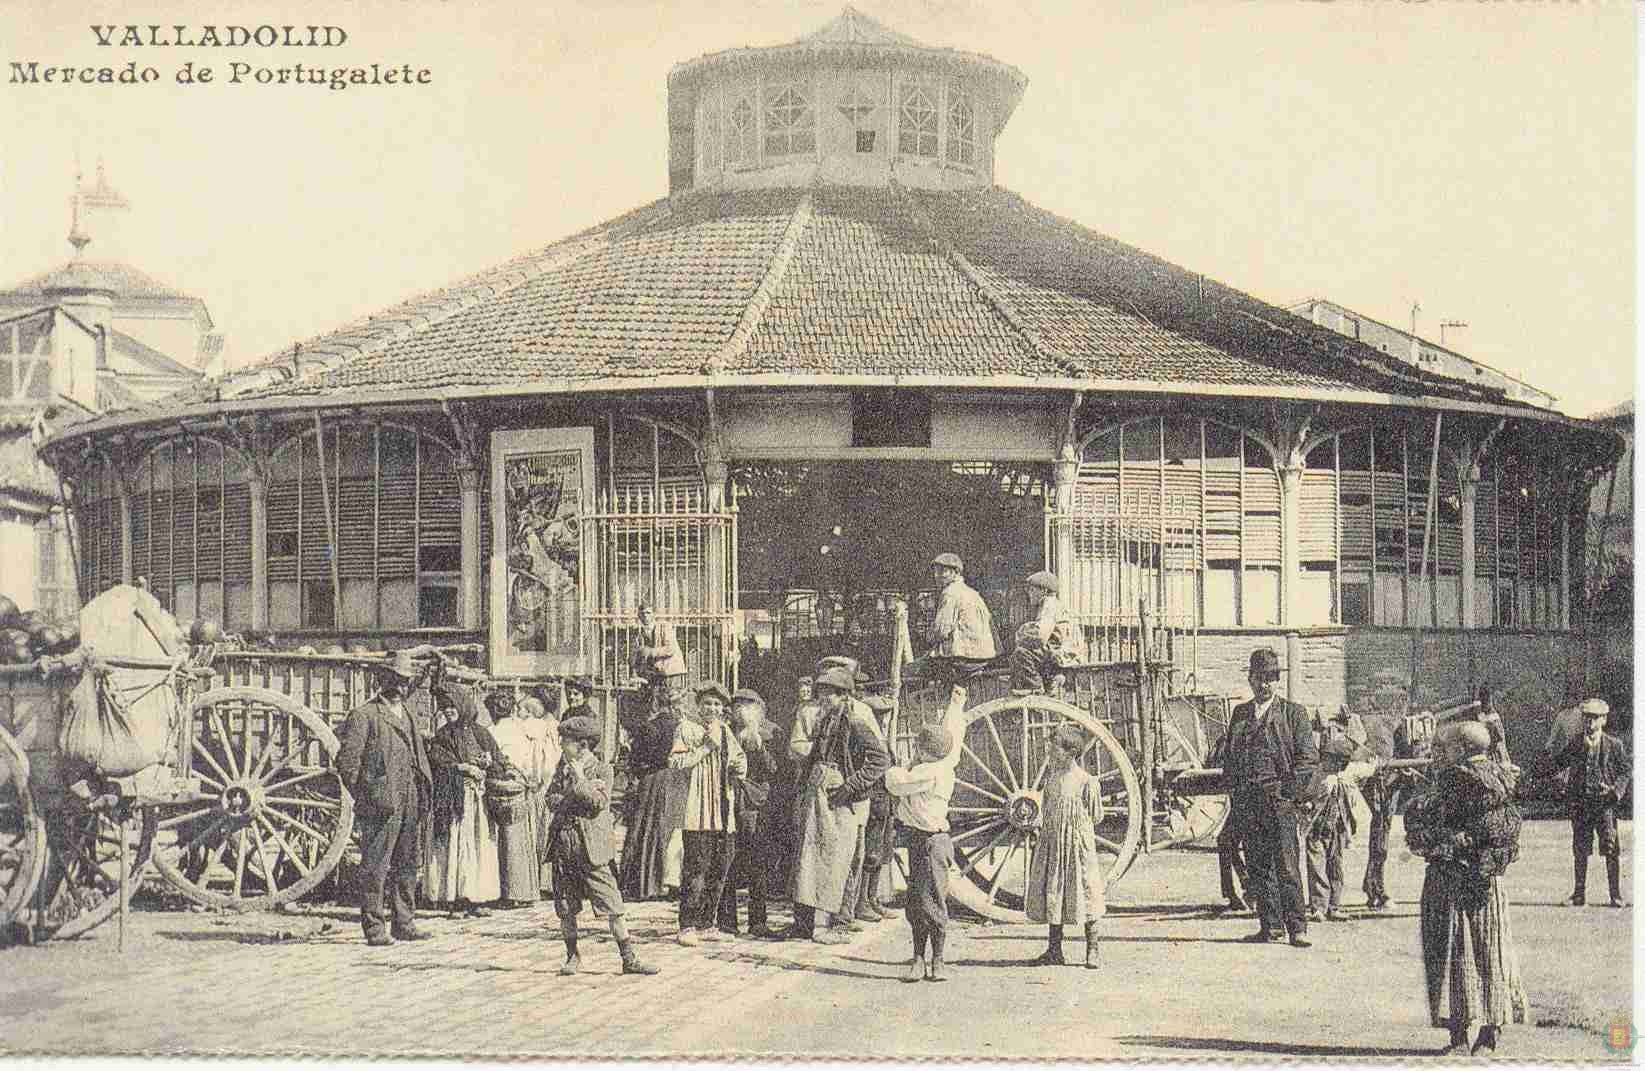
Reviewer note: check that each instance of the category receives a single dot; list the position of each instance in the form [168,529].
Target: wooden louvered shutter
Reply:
[1262,516]
[208,524]
[1317,516]
[397,505]
[142,550]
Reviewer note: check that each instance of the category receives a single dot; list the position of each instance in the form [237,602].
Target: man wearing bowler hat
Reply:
[962,633]
[1272,760]
[383,762]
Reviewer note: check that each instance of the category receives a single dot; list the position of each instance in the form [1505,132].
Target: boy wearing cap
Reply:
[921,794]
[716,765]
[1052,641]
[1600,772]
[751,861]
[580,844]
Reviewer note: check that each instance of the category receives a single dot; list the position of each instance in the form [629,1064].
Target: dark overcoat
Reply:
[384,764]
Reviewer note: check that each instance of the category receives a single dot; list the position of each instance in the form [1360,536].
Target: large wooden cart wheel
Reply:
[86,851]
[273,817]
[22,834]
[1187,734]
[995,810]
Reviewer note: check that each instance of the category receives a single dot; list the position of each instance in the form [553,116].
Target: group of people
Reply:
[720,799]
[458,813]
[1296,798]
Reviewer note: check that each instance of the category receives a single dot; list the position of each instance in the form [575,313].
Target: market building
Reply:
[834,349]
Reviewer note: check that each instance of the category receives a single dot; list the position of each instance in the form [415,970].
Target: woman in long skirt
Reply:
[1065,886]
[656,814]
[1469,833]
[525,745]
[462,865]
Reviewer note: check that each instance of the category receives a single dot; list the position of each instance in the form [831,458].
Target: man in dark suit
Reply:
[383,762]
[581,844]
[1599,774]
[1272,762]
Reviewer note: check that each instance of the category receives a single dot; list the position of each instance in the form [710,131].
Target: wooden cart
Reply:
[242,807]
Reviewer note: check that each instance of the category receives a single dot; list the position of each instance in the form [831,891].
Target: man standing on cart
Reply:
[962,634]
[384,765]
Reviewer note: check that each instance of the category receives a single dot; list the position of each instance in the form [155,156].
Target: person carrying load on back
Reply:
[1049,643]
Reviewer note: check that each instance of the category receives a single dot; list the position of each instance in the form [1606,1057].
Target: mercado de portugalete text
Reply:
[236,73]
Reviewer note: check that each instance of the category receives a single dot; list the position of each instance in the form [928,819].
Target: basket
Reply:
[506,801]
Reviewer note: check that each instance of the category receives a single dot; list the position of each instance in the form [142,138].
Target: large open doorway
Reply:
[825,547]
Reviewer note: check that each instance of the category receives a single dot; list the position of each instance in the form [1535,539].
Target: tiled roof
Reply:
[125,280]
[113,394]
[832,281]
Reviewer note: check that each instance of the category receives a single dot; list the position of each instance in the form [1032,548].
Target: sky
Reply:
[1474,158]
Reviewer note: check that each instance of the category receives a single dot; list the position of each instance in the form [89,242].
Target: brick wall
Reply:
[1532,674]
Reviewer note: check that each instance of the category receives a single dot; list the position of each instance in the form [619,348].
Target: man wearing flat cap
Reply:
[384,764]
[1599,774]
[1047,644]
[1272,759]
[962,633]
[839,770]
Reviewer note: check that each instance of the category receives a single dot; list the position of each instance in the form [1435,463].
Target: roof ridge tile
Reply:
[997,301]
[776,271]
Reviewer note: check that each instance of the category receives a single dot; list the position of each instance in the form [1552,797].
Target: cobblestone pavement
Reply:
[1175,981]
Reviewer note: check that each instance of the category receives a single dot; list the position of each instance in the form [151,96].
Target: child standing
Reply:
[1341,811]
[920,795]
[580,843]
[1065,886]
[716,765]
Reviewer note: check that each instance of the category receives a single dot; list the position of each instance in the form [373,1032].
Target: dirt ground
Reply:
[1175,981]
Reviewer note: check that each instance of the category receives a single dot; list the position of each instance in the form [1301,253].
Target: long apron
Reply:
[827,843]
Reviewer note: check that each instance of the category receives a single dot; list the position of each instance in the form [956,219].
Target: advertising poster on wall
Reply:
[542,484]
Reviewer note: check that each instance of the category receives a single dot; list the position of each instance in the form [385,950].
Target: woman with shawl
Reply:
[524,745]
[656,816]
[1468,830]
[462,866]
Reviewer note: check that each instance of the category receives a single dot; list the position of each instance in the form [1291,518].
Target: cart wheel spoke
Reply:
[285,848]
[966,749]
[240,862]
[999,745]
[288,820]
[204,751]
[979,790]
[1010,854]
[228,742]
[189,816]
[306,776]
[270,883]
[299,801]
[1104,842]
[978,830]
[971,864]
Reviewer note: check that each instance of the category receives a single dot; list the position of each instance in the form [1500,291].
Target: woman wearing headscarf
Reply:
[656,814]
[1468,830]
[462,868]
[538,724]
[519,813]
